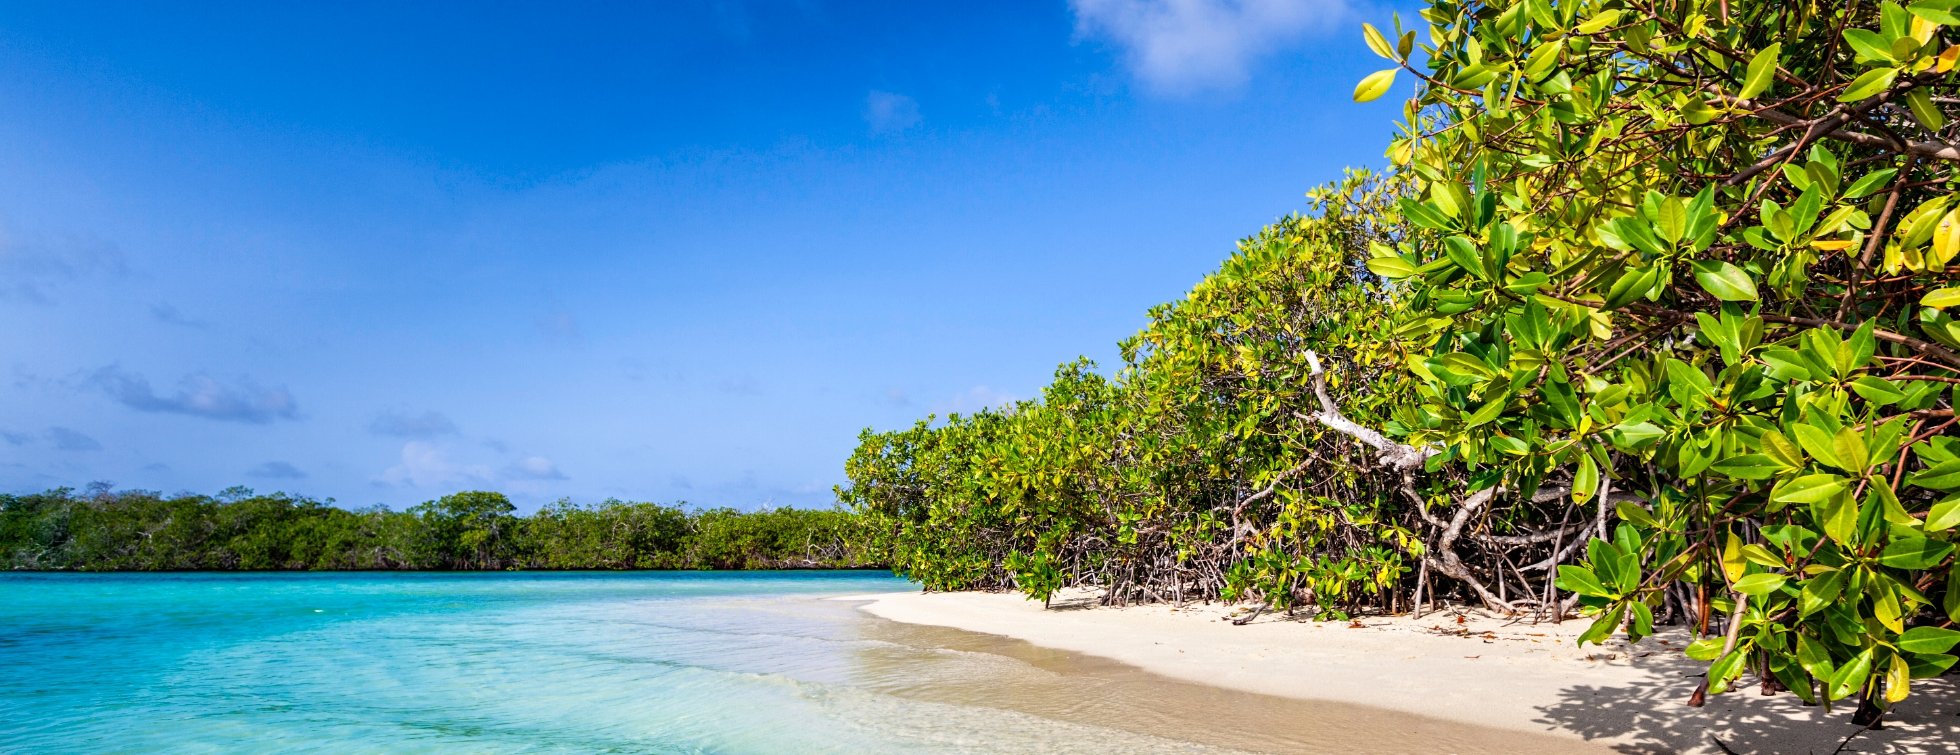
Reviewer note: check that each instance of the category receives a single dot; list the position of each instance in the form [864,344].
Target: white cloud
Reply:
[890,113]
[427,465]
[533,468]
[1180,46]
[436,466]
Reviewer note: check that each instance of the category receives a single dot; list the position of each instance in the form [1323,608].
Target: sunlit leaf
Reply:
[1374,85]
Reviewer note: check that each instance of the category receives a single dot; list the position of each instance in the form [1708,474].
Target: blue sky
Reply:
[656,251]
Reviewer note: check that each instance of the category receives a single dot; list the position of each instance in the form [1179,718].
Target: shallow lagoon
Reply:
[533,662]
[754,662]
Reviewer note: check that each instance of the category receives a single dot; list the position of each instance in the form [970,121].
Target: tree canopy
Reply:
[1648,319]
[103,530]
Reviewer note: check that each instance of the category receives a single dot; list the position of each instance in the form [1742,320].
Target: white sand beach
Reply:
[1457,666]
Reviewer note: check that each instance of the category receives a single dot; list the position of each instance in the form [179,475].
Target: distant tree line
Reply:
[103,530]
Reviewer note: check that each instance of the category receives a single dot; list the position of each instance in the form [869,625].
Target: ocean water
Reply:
[517,662]
[755,662]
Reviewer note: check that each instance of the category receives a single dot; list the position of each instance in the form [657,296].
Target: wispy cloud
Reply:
[533,468]
[65,439]
[889,112]
[429,424]
[427,465]
[198,395]
[277,470]
[1182,46]
[740,385]
[33,269]
[167,313]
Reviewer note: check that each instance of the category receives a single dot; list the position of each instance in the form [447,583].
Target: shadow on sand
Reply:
[1653,716]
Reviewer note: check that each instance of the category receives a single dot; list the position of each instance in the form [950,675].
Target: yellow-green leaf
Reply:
[1819,592]
[1733,564]
[1374,85]
[1760,584]
[1941,298]
[1377,42]
[1946,238]
[1936,11]
[1723,671]
[1869,84]
[1898,680]
[1849,447]
[1915,553]
[1631,285]
[1543,60]
[1585,480]
[1812,488]
[1391,267]
[1944,516]
[1762,72]
[1919,224]
[1924,111]
[1928,640]
[1671,220]
[1599,22]
[1779,447]
[1724,281]
[1851,676]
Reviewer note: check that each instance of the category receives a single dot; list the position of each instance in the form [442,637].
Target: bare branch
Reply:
[1392,454]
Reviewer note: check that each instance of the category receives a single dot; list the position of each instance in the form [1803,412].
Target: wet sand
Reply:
[1379,685]
[1086,689]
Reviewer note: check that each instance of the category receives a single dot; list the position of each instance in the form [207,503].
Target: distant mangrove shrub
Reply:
[100,530]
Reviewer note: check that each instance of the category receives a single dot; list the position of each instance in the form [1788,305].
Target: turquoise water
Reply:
[516,662]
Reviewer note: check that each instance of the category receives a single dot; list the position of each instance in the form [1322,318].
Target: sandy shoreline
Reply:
[1516,677]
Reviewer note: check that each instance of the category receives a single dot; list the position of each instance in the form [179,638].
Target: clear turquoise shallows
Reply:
[728,662]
